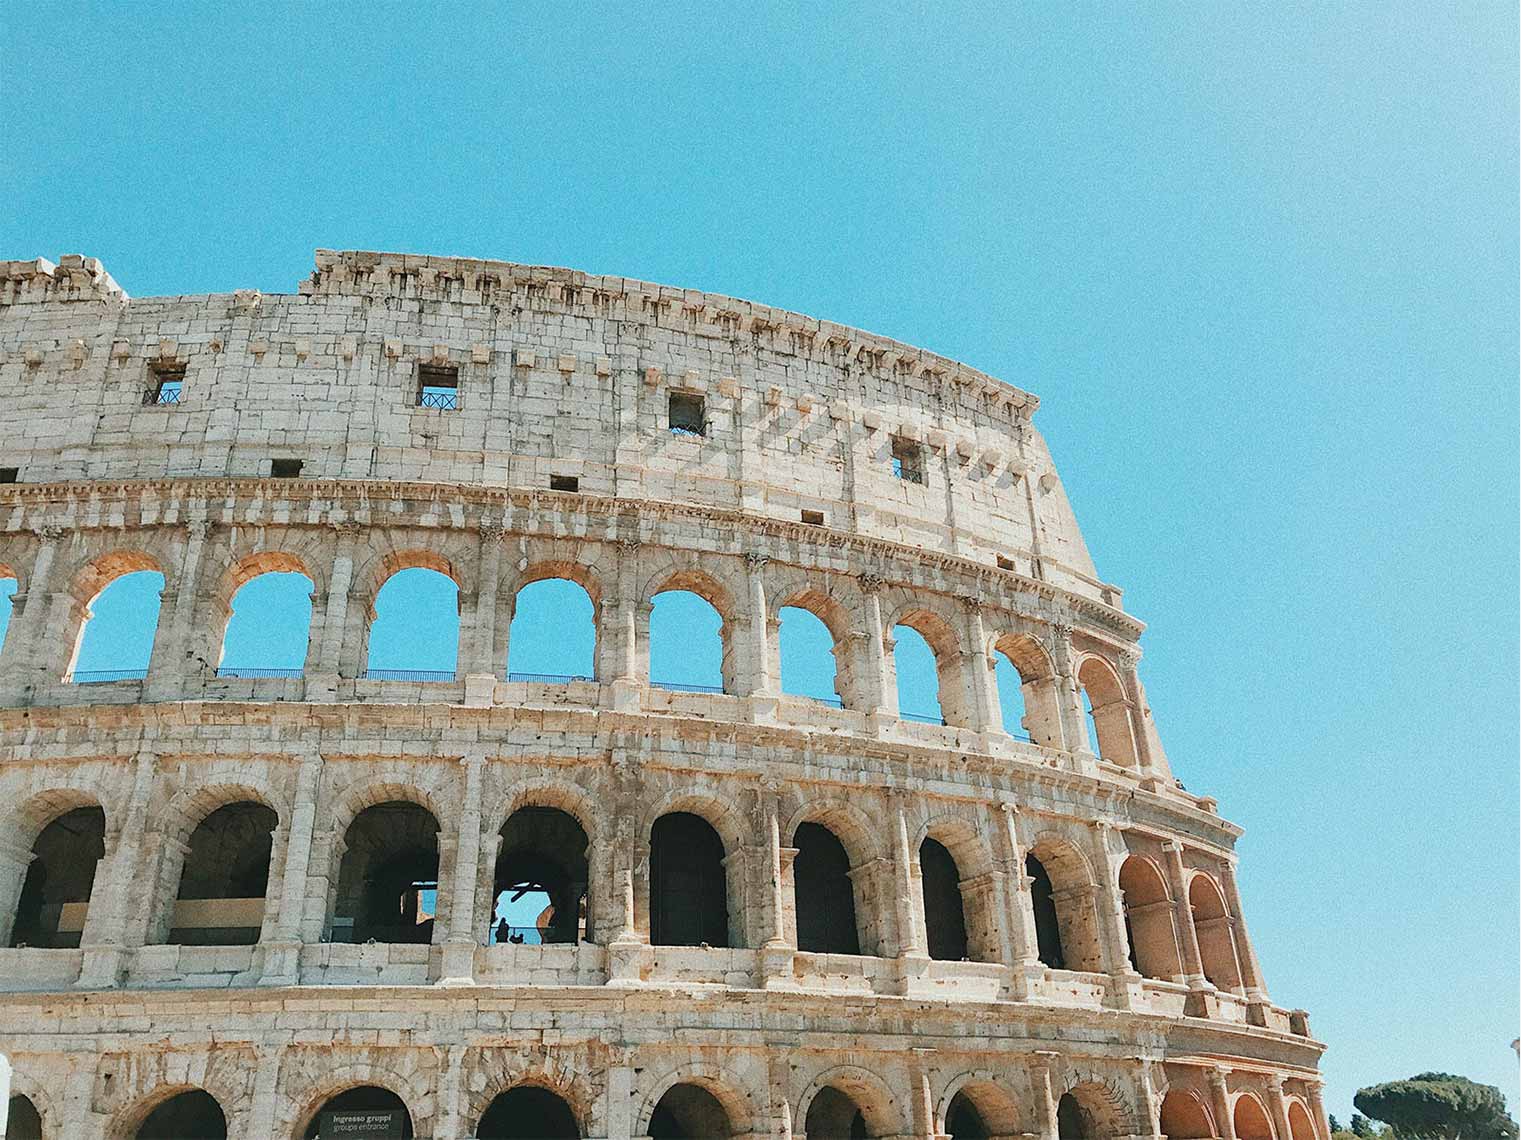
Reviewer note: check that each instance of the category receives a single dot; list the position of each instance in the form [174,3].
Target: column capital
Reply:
[870,581]
[756,561]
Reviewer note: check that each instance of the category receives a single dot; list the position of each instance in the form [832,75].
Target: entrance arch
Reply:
[528,1112]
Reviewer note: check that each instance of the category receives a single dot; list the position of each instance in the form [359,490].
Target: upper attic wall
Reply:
[560,374]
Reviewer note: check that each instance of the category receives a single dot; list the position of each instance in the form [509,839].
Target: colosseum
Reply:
[263,902]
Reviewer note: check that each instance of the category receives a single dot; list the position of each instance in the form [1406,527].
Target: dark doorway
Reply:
[1072,1120]
[539,892]
[380,1108]
[689,1112]
[228,861]
[25,1122]
[528,1113]
[1048,935]
[193,1115]
[834,1116]
[689,900]
[56,890]
[388,880]
[944,918]
[963,1121]
[825,896]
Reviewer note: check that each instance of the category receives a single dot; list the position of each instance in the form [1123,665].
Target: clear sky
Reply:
[1259,261]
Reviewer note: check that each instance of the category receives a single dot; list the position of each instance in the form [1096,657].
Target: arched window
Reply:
[539,887]
[1027,691]
[225,878]
[55,894]
[194,1113]
[553,637]
[388,879]
[1251,1119]
[687,650]
[834,1115]
[825,896]
[963,1121]
[24,1122]
[689,902]
[918,678]
[1149,920]
[1184,1117]
[1300,1126]
[1048,935]
[8,587]
[116,639]
[340,1114]
[269,630]
[415,632]
[1074,1121]
[1108,712]
[528,1112]
[944,917]
[689,1112]
[1213,928]
[808,663]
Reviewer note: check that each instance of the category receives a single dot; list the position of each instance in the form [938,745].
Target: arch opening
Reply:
[963,1121]
[834,1115]
[944,913]
[528,1112]
[225,877]
[689,901]
[689,1112]
[414,631]
[388,878]
[1063,896]
[688,650]
[193,1113]
[825,896]
[540,883]
[343,1114]
[1149,925]
[1048,932]
[553,635]
[1027,691]
[268,632]
[1184,1117]
[115,641]
[1213,927]
[55,894]
[1300,1125]
[24,1122]
[1074,1120]
[916,667]
[1251,1119]
[808,656]
[8,587]
[1108,713]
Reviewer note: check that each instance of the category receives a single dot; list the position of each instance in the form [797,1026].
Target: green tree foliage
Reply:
[1436,1106]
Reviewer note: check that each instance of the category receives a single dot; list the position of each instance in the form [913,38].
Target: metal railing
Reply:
[834,702]
[681,687]
[238,671]
[158,397]
[409,675]
[444,401]
[921,718]
[547,678]
[100,676]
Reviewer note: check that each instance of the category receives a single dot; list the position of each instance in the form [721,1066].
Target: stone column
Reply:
[628,950]
[1111,911]
[981,678]
[1251,971]
[618,648]
[877,697]
[172,668]
[1220,1101]
[1044,1096]
[1025,961]
[1312,1091]
[282,953]
[922,1099]
[480,668]
[1201,1000]
[14,861]
[458,967]
[620,1123]
[113,894]
[777,950]
[779,1073]
[1068,694]
[1136,705]
[910,934]
[1151,1107]
[264,1105]
[1278,1107]
[337,649]
[756,656]
[22,664]
[449,1113]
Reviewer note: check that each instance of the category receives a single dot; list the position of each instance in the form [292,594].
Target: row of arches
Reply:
[414,632]
[847,1107]
[543,881]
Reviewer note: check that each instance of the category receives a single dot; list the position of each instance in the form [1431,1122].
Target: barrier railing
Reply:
[239,671]
[682,687]
[409,675]
[99,676]
[547,678]
[921,718]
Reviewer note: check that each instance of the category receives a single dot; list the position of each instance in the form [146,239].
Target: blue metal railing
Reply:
[921,718]
[547,678]
[99,676]
[834,702]
[681,687]
[444,400]
[409,675]
[239,671]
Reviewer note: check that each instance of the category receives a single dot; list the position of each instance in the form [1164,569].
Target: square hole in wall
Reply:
[9,474]
[166,383]
[686,414]
[1005,563]
[564,483]
[438,387]
[908,460]
[813,518]
[285,468]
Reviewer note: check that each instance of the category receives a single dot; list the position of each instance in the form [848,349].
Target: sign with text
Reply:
[362,1124]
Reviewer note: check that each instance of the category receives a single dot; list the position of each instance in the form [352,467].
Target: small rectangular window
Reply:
[564,483]
[9,474]
[285,468]
[166,383]
[686,414]
[908,460]
[438,387]
[814,518]
[1005,563]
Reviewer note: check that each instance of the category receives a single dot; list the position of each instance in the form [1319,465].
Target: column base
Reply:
[281,964]
[322,688]
[1024,977]
[912,968]
[624,695]
[480,690]
[763,707]
[1124,991]
[102,968]
[457,965]
[628,961]
[1201,1001]
[776,966]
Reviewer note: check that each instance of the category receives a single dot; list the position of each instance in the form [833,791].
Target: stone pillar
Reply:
[620,1123]
[1278,1107]
[628,951]
[459,946]
[22,659]
[14,861]
[1183,915]
[910,933]
[618,641]
[480,667]
[450,1117]
[1151,1106]
[1068,694]
[876,695]
[1125,979]
[1313,1093]
[756,655]
[1025,960]
[922,1098]
[113,893]
[1043,1095]
[778,1073]
[172,668]
[337,648]
[264,1104]
[1251,971]
[980,676]
[777,950]
[1135,703]
[282,953]
[1220,1101]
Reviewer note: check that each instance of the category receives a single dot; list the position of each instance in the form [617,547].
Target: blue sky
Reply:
[1259,261]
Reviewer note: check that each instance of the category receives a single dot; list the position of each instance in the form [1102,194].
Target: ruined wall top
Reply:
[74,278]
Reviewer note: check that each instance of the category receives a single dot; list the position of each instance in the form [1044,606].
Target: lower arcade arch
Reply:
[342,1114]
[980,1109]
[1184,1117]
[24,1122]
[690,1111]
[528,1112]
[224,879]
[1300,1125]
[190,1113]
[388,877]
[539,884]
[1251,1119]
[55,892]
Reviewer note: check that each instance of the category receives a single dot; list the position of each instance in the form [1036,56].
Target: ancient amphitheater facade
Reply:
[775,916]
